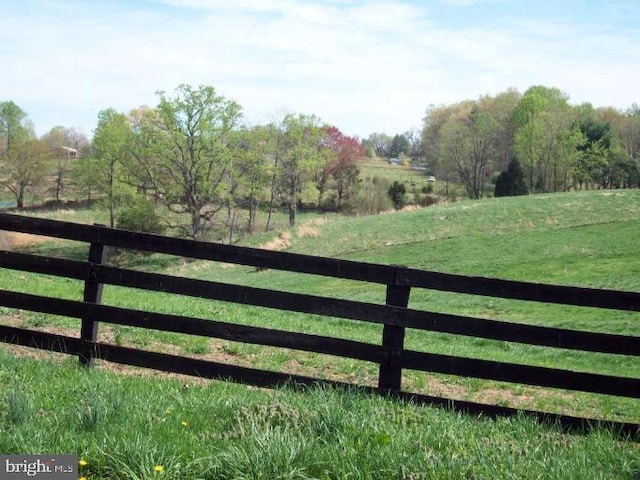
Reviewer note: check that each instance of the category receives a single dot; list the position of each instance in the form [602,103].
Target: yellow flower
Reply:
[183,423]
[82,463]
[158,469]
[82,478]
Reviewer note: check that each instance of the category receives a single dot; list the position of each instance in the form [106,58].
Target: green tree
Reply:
[398,194]
[85,176]
[253,148]
[400,145]
[14,126]
[512,181]
[111,149]
[501,108]
[467,145]
[194,156]
[23,158]
[301,158]
[546,138]
[24,167]
[65,145]
[381,143]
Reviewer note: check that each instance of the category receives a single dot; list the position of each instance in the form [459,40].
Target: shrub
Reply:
[139,216]
[429,200]
[398,195]
[371,197]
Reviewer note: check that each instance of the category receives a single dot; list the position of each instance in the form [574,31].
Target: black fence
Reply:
[394,316]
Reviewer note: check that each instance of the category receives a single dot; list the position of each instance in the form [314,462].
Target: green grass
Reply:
[583,238]
[217,430]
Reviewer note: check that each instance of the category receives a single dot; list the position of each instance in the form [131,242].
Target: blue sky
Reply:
[362,65]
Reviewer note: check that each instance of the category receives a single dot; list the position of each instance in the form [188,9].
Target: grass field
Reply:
[584,238]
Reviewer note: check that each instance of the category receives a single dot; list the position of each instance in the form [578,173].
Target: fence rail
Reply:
[395,317]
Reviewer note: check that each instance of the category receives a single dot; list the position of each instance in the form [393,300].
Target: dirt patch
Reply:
[16,241]
[281,242]
[307,231]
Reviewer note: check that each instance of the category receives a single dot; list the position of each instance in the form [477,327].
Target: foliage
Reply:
[24,167]
[467,146]
[194,156]
[65,145]
[139,215]
[547,138]
[23,157]
[111,151]
[512,181]
[372,197]
[380,143]
[301,156]
[398,194]
[340,165]
[399,146]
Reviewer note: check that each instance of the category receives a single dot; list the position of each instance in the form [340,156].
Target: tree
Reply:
[301,157]
[501,109]
[111,149]
[145,150]
[399,146]
[398,194]
[65,147]
[194,156]
[431,139]
[24,167]
[512,181]
[85,175]
[467,145]
[252,153]
[14,126]
[23,156]
[340,164]
[381,143]
[546,138]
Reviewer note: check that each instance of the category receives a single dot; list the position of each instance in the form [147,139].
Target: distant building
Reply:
[71,152]
[395,161]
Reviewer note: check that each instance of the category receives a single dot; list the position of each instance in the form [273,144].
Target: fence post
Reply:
[92,294]
[390,375]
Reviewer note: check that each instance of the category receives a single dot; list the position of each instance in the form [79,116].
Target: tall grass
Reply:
[216,430]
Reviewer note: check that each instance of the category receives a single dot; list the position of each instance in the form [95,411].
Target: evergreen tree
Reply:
[511,182]
[398,194]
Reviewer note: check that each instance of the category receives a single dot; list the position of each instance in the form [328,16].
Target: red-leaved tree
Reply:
[341,164]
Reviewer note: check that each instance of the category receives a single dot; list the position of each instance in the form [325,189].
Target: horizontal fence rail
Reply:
[394,316]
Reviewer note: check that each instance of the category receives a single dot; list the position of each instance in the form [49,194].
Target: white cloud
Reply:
[364,65]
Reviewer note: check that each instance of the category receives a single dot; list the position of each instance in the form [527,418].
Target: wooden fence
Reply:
[394,316]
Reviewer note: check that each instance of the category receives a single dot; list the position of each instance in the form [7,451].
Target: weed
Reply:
[19,406]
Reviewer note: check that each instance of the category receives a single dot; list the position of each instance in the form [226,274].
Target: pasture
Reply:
[586,239]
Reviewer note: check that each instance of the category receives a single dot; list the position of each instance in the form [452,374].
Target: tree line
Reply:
[557,146]
[192,154]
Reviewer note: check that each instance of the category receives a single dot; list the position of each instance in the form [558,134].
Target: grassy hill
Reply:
[584,238]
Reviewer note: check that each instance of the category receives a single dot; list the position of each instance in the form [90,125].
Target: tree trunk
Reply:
[20,199]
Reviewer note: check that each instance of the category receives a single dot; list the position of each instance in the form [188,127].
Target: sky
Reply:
[363,66]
